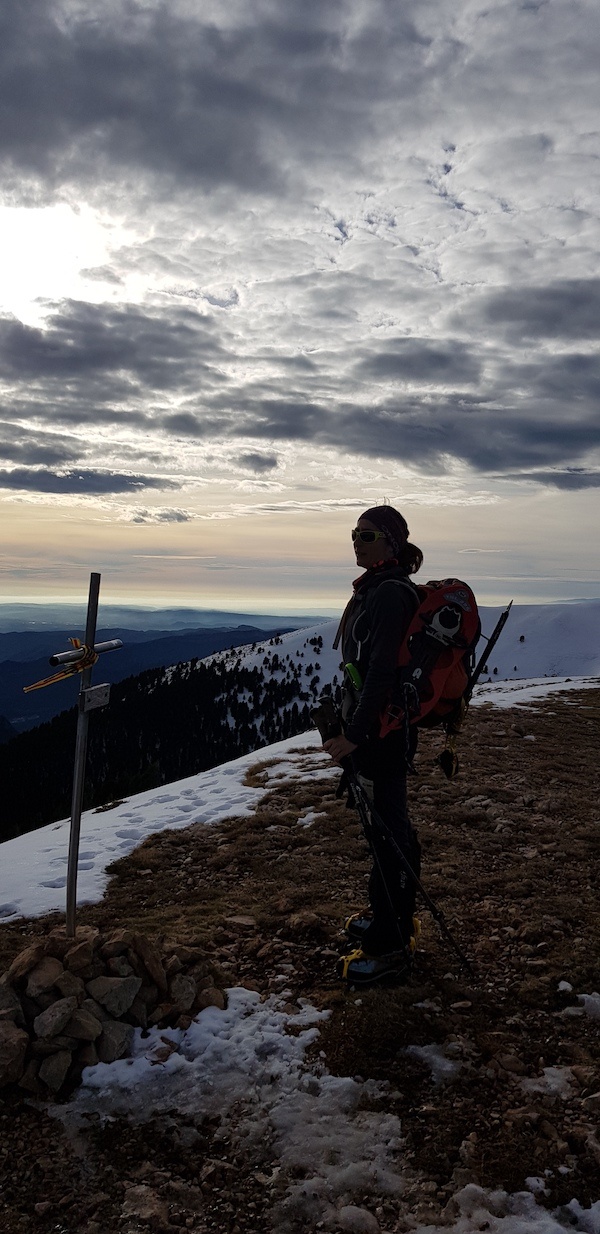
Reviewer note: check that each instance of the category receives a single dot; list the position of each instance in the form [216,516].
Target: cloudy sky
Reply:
[265,263]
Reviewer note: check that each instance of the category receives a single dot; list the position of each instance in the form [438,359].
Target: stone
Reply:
[205,982]
[510,1062]
[43,1000]
[148,995]
[43,976]
[164,1011]
[52,1021]
[25,961]
[79,959]
[13,1046]
[188,955]
[117,943]
[182,991]
[87,1055]
[70,985]
[302,922]
[10,1006]
[210,998]
[96,1009]
[51,1045]
[152,961]
[172,965]
[136,964]
[138,1013]
[53,1071]
[119,966]
[114,1042]
[242,919]
[145,1203]
[29,1080]
[30,1009]
[357,1220]
[83,1025]
[114,993]
[187,1195]
[58,944]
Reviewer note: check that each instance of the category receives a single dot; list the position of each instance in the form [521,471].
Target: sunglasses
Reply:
[366,537]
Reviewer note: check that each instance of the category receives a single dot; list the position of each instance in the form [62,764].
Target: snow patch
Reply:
[558,1081]
[441,1067]
[245,1065]
[590,1004]
[499,1213]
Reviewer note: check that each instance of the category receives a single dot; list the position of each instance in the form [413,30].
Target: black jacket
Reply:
[372,629]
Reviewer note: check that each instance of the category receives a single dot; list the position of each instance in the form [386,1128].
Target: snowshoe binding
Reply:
[360,968]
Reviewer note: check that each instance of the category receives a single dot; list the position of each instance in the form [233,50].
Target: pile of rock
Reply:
[66,1003]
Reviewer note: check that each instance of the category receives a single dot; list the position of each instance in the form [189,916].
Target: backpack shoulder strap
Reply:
[396,582]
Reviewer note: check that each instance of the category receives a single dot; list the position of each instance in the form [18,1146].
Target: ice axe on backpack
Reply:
[326,718]
[448,759]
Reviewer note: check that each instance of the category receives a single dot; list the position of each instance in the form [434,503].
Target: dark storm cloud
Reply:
[429,432]
[423,360]
[568,309]
[258,463]
[571,478]
[30,449]
[101,364]
[156,89]
[80,340]
[79,481]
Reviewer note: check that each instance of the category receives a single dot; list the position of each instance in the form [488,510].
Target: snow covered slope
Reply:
[558,640]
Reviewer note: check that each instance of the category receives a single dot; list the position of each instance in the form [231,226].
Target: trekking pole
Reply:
[365,811]
[491,643]
[448,760]
[435,910]
[326,718]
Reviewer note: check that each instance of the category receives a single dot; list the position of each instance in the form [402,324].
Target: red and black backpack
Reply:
[435,658]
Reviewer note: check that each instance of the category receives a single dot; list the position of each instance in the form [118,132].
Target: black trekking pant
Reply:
[381,767]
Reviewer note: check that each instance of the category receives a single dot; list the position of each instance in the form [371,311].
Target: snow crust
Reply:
[558,1081]
[441,1067]
[497,1212]
[245,1065]
[327,1141]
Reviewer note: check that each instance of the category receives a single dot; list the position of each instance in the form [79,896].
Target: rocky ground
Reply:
[511,850]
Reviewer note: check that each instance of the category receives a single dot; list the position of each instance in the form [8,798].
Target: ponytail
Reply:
[410,557]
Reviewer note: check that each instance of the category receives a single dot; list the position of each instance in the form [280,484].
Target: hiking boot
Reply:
[358,968]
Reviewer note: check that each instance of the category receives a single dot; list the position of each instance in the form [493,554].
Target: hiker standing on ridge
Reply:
[373,625]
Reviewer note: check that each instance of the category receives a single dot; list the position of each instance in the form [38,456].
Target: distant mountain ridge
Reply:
[54,616]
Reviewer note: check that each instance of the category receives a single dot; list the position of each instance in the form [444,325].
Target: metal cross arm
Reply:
[75,661]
